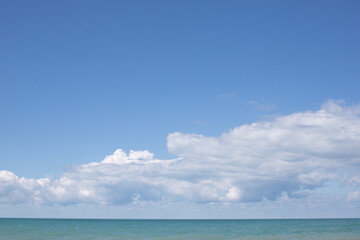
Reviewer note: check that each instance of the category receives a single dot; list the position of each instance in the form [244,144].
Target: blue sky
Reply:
[81,79]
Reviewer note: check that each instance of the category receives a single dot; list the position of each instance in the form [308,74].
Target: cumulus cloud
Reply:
[289,156]
[291,153]
[17,190]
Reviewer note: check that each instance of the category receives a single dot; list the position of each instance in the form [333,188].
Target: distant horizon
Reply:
[177,218]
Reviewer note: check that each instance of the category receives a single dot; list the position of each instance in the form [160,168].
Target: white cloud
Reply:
[18,190]
[354,196]
[289,156]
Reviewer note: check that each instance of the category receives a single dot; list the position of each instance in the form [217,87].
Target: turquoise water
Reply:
[344,229]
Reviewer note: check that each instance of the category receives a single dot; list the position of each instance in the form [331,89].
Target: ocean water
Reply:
[342,229]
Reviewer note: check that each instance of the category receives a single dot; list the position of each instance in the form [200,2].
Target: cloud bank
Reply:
[290,156]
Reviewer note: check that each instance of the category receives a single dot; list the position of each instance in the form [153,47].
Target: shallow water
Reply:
[329,229]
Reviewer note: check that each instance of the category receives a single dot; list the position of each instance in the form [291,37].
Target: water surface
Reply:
[329,229]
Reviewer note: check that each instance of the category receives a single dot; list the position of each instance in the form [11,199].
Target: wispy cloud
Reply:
[259,105]
[202,123]
[290,156]
[353,196]
[229,97]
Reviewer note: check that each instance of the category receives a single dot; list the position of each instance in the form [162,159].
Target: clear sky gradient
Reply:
[80,79]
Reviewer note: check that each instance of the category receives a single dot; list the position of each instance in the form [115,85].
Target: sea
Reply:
[339,229]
